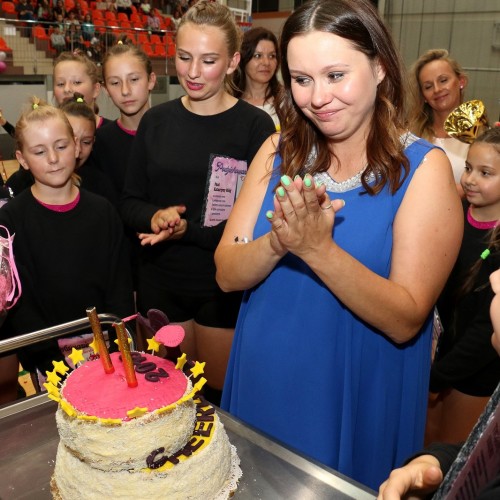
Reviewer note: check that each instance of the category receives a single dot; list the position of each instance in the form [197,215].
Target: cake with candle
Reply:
[134,425]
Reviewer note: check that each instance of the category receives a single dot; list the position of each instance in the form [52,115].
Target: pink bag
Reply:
[10,285]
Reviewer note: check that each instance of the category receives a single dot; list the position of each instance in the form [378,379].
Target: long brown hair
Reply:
[358,22]
[251,39]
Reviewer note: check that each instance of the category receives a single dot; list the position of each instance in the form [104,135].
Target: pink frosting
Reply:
[170,335]
[90,391]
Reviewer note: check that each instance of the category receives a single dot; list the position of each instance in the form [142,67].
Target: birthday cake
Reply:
[137,427]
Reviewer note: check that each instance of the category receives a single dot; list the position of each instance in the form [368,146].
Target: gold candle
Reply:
[126,356]
[99,340]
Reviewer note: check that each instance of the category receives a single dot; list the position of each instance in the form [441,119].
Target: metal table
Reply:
[29,439]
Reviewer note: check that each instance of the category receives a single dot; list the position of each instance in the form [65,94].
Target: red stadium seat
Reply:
[159,50]
[39,32]
[148,50]
[155,39]
[142,38]
[9,7]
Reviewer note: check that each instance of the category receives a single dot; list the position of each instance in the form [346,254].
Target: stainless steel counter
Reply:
[29,439]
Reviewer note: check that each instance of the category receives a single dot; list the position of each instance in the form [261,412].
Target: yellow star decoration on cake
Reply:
[93,346]
[51,388]
[60,367]
[198,369]
[70,411]
[153,344]
[198,386]
[53,377]
[137,412]
[76,356]
[110,421]
[117,342]
[181,361]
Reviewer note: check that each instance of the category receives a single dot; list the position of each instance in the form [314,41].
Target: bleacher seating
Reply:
[159,47]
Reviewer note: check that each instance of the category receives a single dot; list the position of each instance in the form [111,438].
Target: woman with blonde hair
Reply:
[438,83]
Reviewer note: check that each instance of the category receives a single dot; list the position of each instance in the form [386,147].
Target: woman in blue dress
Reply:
[343,235]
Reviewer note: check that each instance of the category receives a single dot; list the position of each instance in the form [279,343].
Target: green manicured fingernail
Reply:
[285,180]
[307,182]
[281,191]
[269,214]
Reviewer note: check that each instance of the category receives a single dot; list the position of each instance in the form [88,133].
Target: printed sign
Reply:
[224,182]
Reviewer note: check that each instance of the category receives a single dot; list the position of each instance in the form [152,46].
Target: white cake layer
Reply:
[126,446]
[200,477]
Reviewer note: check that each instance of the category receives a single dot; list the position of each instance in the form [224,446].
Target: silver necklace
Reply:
[343,186]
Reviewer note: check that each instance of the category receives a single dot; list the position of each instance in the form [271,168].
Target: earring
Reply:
[461,87]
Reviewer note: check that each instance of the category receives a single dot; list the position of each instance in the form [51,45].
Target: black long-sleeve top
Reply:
[466,359]
[67,262]
[169,165]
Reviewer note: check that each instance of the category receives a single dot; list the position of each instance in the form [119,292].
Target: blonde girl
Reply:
[64,236]
[75,72]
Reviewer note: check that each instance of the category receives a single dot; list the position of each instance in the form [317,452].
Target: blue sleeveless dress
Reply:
[307,371]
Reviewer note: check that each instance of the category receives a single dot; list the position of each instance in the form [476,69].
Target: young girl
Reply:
[128,78]
[256,78]
[82,121]
[186,163]
[69,242]
[467,369]
[75,72]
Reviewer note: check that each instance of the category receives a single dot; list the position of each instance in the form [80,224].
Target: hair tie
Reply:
[119,42]
[485,254]
[35,105]
[79,99]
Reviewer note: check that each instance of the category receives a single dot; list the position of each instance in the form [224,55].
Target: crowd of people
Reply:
[71,26]
[279,211]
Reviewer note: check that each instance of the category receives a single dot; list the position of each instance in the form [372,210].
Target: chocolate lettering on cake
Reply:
[145,367]
[152,462]
[205,419]
[141,365]
[155,376]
